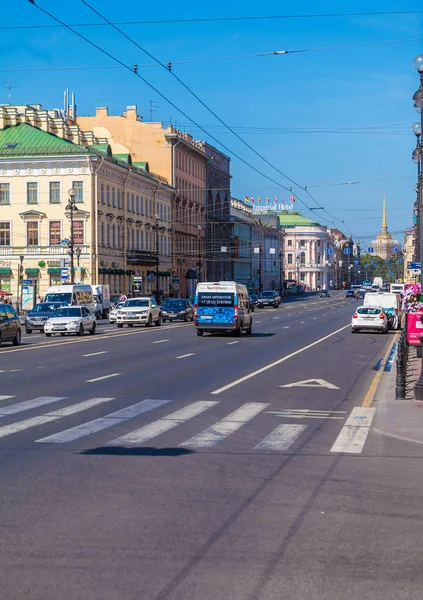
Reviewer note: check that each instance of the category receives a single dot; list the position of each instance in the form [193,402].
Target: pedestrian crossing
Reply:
[102,430]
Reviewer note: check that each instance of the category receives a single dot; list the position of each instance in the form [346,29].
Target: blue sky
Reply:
[321,117]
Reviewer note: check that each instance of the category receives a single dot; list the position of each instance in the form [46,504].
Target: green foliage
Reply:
[389,270]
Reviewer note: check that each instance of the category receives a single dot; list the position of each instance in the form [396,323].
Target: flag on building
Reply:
[267,198]
[252,200]
[259,199]
[275,199]
[291,197]
[247,200]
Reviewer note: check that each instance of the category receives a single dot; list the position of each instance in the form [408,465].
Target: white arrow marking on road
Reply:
[311,383]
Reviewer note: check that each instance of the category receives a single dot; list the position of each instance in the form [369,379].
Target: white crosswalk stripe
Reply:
[14,409]
[47,418]
[148,432]
[218,432]
[281,438]
[115,418]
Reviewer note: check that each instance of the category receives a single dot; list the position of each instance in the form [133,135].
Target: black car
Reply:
[10,325]
[253,301]
[177,308]
[268,298]
[324,294]
[36,318]
[350,294]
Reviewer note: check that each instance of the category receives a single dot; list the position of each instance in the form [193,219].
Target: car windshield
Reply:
[68,311]
[119,304]
[45,307]
[136,302]
[368,311]
[267,294]
[175,304]
[64,297]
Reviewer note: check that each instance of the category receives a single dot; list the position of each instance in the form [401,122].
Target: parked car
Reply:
[361,293]
[391,304]
[350,294]
[253,302]
[268,298]
[141,311]
[324,294]
[114,311]
[369,317]
[37,317]
[71,319]
[177,308]
[10,325]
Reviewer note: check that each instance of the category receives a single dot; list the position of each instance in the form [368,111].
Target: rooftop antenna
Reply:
[9,86]
[153,107]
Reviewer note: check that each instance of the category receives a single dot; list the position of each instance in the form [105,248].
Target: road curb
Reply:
[372,391]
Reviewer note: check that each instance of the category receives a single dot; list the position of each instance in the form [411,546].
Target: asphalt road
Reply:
[154,464]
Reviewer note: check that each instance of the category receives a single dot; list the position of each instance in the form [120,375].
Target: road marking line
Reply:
[278,362]
[42,367]
[15,370]
[152,430]
[185,355]
[314,318]
[354,433]
[103,377]
[371,392]
[289,314]
[220,430]
[114,418]
[281,438]
[6,398]
[257,321]
[14,409]
[96,353]
[286,327]
[160,341]
[49,417]
[275,317]
[230,343]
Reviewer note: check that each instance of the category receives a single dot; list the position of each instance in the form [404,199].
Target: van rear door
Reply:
[216,309]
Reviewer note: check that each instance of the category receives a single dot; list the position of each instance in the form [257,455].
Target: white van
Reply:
[101,295]
[72,294]
[222,306]
[390,302]
[397,288]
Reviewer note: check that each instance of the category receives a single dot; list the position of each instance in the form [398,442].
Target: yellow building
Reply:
[384,243]
[409,255]
[123,218]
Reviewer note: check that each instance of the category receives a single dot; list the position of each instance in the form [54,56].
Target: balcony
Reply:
[40,250]
[141,257]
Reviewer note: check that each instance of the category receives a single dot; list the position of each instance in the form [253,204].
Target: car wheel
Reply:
[192,319]
[130,324]
[150,321]
[48,334]
[120,326]
[186,318]
[159,321]
[200,332]
[28,331]
[80,330]
[17,340]
[250,329]
[93,328]
[63,334]
[237,332]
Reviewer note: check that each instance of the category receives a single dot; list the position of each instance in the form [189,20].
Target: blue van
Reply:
[223,306]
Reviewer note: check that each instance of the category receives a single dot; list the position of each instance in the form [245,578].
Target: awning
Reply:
[32,271]
[54,270]
[5,271]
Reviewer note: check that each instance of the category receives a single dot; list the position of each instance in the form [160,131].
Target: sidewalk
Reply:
[401,419]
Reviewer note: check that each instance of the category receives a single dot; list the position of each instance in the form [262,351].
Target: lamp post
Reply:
[199,253]
[78,252]
[280,271]
[71,208]
[156,227]
[418,152]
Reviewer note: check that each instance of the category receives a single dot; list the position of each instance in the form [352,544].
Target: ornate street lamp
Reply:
[71,208]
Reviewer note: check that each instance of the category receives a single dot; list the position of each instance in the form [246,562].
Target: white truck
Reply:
[101,294]
[377,283]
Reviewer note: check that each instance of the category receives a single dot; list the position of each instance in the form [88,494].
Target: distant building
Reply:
[384,243]
[409,255]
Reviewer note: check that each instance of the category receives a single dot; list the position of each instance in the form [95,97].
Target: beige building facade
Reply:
[409,253]
[122,220]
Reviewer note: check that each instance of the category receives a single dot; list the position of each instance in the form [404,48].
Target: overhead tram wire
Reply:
[210,110]
[131,70]
[227,19]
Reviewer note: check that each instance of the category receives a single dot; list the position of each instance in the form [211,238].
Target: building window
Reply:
[302,242]
[128,205]
[4,193]
[54,192]
[32,237]
[55,233]
[108,235]
[290,259]
[142,205]
[102,240]
[55,279]
[118,199]
[107,195]
[113,197]
[32,193]
[78,187]
[289,242]
[133,202]
[102,193]
[4,234]
[78,232]
[302,258]
[114,236]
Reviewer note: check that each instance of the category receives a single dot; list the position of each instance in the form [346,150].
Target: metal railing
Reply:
[402,359]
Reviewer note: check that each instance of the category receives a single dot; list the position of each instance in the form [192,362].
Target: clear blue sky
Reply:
[320,116]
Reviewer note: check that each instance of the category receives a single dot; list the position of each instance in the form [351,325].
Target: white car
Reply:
[114,311]
[143,311]
[369,317]
[71,319]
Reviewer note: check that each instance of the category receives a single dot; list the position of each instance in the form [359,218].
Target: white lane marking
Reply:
[152,430]
[160,341]
[6,398]
[302,322]
[15,370]
[103,377]
[257,321]
[354,433]
[218,432]
[14,409]
[185,355]
[275,317]
[49,417]
[230,343]
[281,438]
[96,353]
[314,318]
[42,367]
[325,315]
[278,362]
[286,327]
[114,418]
[289,314]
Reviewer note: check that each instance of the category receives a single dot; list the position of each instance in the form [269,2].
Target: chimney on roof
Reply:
[102,111]
[131,113]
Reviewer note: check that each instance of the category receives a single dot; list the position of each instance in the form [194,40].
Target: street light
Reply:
[156,227]
[280,271]
[417,155]
[199,252]
[78,252]
[71,207]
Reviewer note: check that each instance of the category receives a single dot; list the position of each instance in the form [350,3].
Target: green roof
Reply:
[294,219]
[142,165]
[25,140]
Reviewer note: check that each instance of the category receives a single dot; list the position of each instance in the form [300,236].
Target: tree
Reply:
[390,269]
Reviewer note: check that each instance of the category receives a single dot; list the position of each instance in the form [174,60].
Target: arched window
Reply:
[302,258]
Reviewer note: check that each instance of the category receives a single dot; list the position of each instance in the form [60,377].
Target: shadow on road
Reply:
[148,451]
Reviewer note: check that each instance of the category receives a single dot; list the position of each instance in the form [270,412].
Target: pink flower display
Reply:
[412,300]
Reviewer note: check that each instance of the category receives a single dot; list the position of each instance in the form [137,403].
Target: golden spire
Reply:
[384,222]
